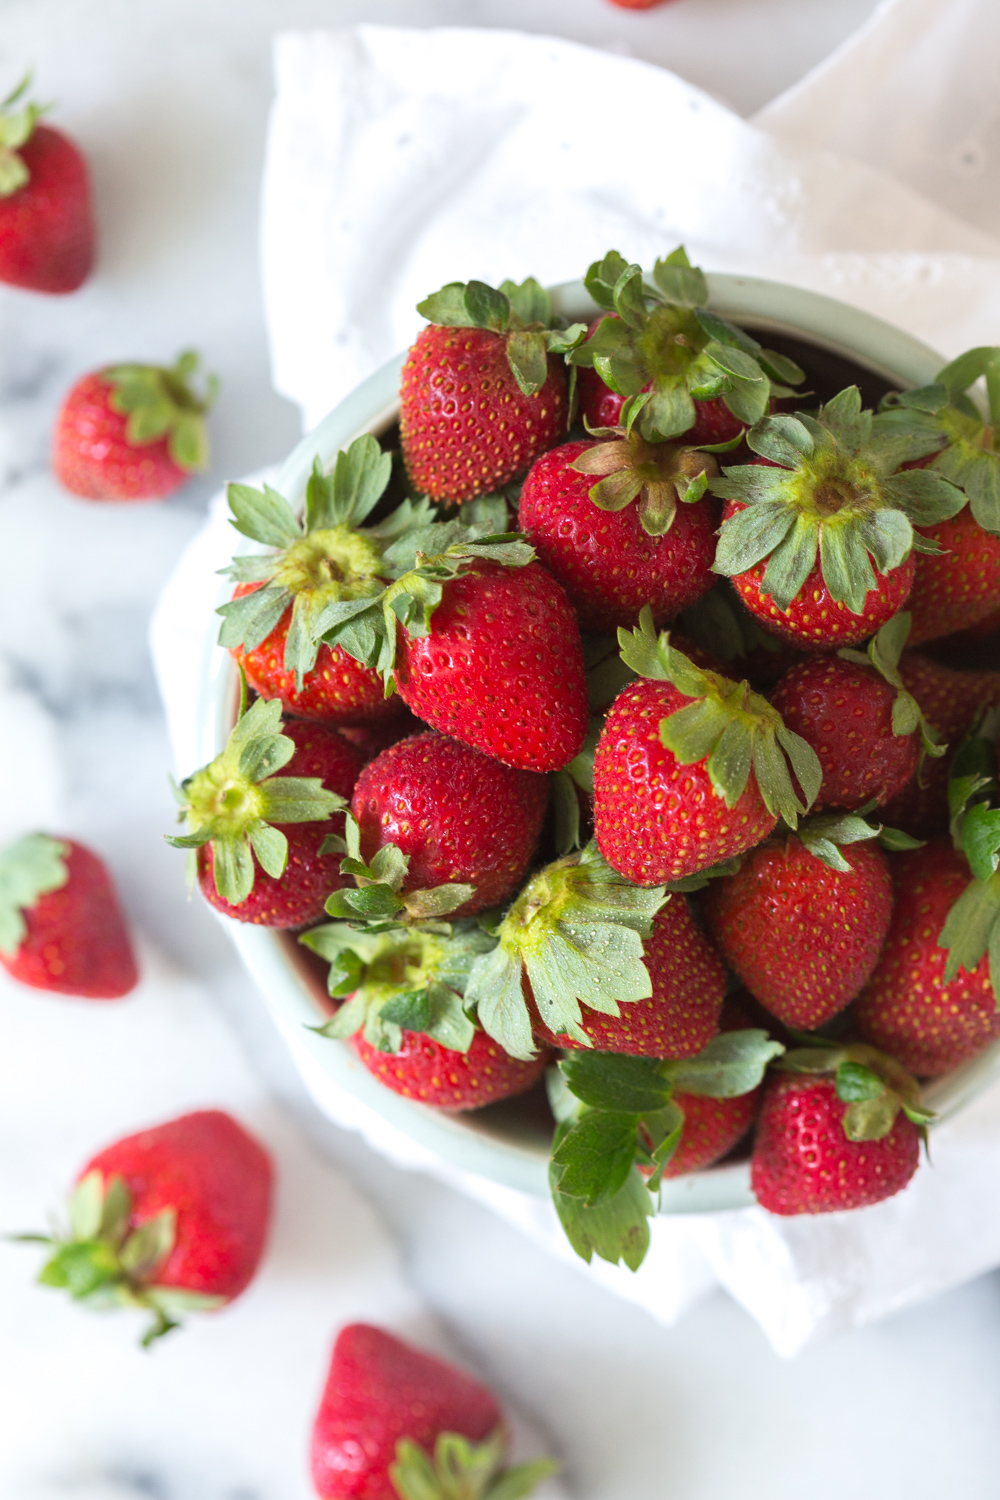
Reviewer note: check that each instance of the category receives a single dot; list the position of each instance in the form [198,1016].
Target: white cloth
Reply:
[398,160]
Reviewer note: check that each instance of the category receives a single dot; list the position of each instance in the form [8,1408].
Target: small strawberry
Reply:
[255,838]
[483,392]
[842,1130]
[713,1126]
[61,928]
[132,432]
[661,342]
[172,1219]
[426,1070]
[395,1423]
[802,923]
[46,218]
[690,768]
[610,555]
[456,813]
[823,502]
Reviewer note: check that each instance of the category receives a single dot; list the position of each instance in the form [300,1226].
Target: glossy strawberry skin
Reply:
[950,701]
[814,620]
[656,820]
[377,1391]
[297,897]
[906,1009]
[844,711]
[682,1015]
[803,938]
[802,1161]
[77,942]
[465,426]
[424,1070]
[337,691]
[219,1181]
[502,668]
[93,458]
[458,814]
[47,226]
[954,591]
[712,1127]
[608,565]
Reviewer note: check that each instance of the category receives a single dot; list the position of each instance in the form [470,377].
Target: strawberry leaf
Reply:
[733,1063]
[616,1229]
[29,868]
[596,1155]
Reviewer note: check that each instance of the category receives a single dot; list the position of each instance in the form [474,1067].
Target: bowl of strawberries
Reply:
[600,767]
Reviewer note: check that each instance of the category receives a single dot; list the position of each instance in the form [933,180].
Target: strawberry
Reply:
[172,1219]
[384,1403]
[61,928]
[961,586]
[821,504]
[802,923]
[132,432]
[255,839]
[667,801]
[456,813]
[841,1130]
[661,345]
[46,219]
[482,392]
[712,1127]
[920,1005]
[612,556]
[866,727]
[449,1079]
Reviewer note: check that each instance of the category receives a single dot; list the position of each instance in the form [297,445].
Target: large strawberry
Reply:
[660,341]
[841,1130]
[172,1220]
[133,432]
[483,392]
[395,1423]
[61,927]
[611,555]
[458,815]
[818,533]
[691,768]
[46,218]
[802,922]
[255,839]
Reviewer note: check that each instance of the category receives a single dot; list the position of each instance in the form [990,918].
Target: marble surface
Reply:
[169,99]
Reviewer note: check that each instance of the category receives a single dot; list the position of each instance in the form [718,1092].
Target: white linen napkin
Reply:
[401,159]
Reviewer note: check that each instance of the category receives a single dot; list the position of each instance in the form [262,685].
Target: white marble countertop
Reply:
[169,99]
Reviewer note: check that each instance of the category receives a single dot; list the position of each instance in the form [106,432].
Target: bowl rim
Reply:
[461,1141]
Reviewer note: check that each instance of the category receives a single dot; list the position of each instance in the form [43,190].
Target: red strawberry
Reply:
[599,406]
[501,667]
[426,1070]
[61,928]
[258,837]
[802,936]
[46,220]
[457,815]
[682,1015]
[610,560]
[172,1219]
[132,432]
[961,586]
[383,1402]
[481,395]
[908,1009]
[803,1161]
[712,1127]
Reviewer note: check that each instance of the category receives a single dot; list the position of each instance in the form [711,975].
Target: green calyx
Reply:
[575,932]
[617,1113]
[665,338]
[834,495]
[29,868]
[825,836]
[103,1262]
[872,1085]
[17,123]
[520,314]
[972,927]
[657,475]
[461,1470]
[160,401]
[233,802]
[883,653]
[579,774]
[729,726]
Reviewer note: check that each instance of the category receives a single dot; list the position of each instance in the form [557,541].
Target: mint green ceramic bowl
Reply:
[504,1144]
